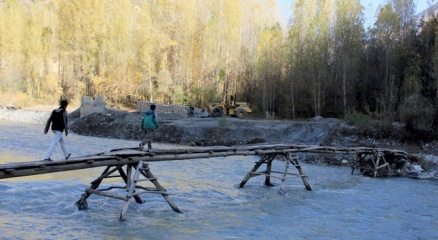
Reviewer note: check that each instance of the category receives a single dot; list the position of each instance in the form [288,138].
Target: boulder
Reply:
[88,105]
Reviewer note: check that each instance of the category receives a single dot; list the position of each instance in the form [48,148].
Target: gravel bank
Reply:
[25,116]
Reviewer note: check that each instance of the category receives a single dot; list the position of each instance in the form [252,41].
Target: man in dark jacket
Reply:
[148,125]
[58,120]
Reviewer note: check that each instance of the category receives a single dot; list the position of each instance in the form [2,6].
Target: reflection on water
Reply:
[340,207]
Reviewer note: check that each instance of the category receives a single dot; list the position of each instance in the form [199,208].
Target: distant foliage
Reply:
[418,115]
[357,118]
[323,63]
[130,50]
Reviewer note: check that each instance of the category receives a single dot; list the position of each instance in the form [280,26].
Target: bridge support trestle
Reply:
[372,164]
[135,173]
[289,160]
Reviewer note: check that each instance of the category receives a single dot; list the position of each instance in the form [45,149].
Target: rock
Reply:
[166,109]
[88,105]
[317,119]
[203,113]
[255,140]
[411,170]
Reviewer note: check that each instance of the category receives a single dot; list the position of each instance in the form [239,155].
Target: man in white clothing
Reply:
[58,120]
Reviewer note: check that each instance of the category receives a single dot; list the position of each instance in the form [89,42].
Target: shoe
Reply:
[48,160]
[68,156]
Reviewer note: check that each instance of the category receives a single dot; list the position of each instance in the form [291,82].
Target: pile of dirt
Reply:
[113,124]
[207,131]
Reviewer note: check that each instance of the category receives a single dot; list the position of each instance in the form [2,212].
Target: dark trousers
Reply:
[147,138]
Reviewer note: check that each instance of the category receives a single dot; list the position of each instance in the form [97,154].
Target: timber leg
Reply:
[355,165]
[130,186]
[268,172]
[381,166]
[376,161]
[82,202]
[296,163]
[148,174]
[253,170]
[125,178]
[283,179]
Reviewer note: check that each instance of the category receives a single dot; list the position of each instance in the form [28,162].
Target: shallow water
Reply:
[341,206]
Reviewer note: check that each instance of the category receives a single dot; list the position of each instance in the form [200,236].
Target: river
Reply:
[341,206]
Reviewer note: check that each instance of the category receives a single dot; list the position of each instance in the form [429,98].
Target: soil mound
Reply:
[207,131]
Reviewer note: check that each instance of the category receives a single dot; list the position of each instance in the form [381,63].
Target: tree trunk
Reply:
[226,76]
[387,100]
[264,93]
[29,86]
[151,92]
[344,86]
[292,97]
[386,71]
[314,96]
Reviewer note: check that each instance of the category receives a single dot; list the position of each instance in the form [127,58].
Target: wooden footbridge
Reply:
[131,165]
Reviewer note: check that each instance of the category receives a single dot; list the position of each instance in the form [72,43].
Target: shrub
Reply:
[418,115]
[359,119]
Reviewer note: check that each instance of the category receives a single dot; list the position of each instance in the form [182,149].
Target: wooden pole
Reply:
[294,160]
[268,171]
[82,202]
[268,158]
[148,174]
[376,159]
[283,179]
[130,186]
[125,179]
[254,169]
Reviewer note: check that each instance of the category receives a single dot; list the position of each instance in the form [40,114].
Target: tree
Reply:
[348,37]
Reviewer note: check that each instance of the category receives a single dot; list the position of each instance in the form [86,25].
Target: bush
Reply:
[418,115]
[359,119]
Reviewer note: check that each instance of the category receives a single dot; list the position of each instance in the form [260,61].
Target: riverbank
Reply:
[197,131]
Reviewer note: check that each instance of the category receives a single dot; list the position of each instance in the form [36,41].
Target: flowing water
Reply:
[341,206]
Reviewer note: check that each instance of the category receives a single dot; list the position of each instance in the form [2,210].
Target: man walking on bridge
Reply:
[58,120]
[148,125]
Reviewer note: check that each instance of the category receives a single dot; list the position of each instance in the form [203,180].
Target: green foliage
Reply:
[358,119]
[180,96]
[417,113]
